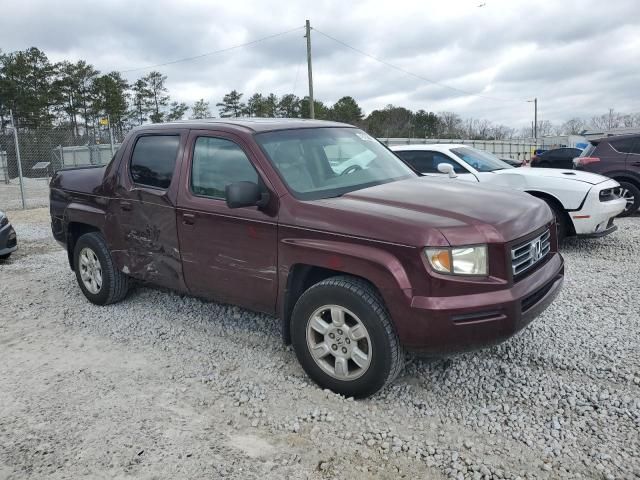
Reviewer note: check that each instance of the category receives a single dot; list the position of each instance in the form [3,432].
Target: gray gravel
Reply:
[168,386]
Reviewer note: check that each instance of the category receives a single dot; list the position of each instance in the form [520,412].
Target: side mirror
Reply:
[448,169]
[245,194]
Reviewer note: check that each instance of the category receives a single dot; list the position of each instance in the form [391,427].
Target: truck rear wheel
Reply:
[99,279]
[343,337]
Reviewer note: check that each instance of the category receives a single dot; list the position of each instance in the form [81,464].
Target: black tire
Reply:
[5,256]
[633,191]
[362,299]
[561,220]
[115,284]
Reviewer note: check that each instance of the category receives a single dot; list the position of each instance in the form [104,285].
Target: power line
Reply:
[195,57]
[412,74]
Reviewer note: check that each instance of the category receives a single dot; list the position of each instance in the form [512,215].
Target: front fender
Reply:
[377,265]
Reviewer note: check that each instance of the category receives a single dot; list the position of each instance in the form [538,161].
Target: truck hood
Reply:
[576,175]
[426,211]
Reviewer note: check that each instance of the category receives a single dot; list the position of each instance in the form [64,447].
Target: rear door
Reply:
[228,255]
[143,226]
[633,157]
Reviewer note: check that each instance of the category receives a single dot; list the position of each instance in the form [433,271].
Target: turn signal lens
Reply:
[470,260]
[440,259]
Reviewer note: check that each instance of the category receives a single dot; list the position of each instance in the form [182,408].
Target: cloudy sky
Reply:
[578,57]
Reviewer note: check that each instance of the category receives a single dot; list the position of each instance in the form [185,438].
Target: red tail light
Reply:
[582,161]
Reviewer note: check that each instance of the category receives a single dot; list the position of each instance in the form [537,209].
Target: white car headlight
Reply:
[471,260]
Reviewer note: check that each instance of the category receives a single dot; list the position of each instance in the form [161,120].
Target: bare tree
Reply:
[573,126]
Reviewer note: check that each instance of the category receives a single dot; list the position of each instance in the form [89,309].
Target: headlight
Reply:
[3,219]
[470,260]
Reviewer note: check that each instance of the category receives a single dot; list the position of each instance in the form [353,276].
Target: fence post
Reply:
[15,139]
[4,164]
[110,136]
[61,156]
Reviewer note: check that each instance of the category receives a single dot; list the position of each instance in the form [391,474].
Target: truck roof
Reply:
[253,124]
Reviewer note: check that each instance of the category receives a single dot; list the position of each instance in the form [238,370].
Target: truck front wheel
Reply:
[343,337]
[99,279]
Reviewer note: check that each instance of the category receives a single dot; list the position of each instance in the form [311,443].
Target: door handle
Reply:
[126,206]
[188,218]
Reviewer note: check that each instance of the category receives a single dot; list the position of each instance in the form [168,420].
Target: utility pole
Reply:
[308,36]
[535,117]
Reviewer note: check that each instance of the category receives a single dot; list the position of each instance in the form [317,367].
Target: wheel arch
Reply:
[80,219]
[626,177]
[311,264]
[554,200]
[74,231]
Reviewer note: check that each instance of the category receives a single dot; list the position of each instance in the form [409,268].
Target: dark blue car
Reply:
[8,239]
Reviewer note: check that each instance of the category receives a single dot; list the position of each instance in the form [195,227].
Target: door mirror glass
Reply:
[243,194]
[448,169]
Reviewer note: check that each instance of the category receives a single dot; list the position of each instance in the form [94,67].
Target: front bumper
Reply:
[8,240]
[595,218]
[445,325]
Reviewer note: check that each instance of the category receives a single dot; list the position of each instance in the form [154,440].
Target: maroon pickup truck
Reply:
[319,224]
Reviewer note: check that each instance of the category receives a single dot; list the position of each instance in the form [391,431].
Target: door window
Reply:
[154,159]
[424,161]
[217,163]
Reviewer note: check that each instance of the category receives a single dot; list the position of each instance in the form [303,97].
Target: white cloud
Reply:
[577,57]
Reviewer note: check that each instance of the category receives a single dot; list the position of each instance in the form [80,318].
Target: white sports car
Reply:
[585,204]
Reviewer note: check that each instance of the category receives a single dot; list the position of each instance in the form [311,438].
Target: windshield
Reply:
[481,161]
[320,163]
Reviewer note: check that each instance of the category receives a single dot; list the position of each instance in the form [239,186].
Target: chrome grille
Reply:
[526,255]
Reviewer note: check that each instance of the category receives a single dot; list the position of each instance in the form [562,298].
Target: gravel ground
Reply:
[36,193]
[167,386]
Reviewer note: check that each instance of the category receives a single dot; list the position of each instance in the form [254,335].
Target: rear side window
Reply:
[570,152]
[624,145]
[154,159]
[217,163]
[589,149]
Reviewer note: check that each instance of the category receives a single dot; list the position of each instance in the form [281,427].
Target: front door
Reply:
[229,255]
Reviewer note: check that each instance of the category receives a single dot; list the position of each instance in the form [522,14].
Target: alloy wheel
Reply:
[339,342]
[90,270]
[629,197]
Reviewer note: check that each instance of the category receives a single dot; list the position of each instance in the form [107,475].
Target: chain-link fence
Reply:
[41,152]
[27,167]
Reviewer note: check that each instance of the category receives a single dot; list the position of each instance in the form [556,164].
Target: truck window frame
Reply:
[175,165]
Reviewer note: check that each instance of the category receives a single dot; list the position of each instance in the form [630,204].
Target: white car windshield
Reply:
[481,161]
[325,162]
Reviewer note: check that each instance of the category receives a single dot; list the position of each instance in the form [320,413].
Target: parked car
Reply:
[618,158]
[358,266]
[8,239]
[556,158]
[584,204]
